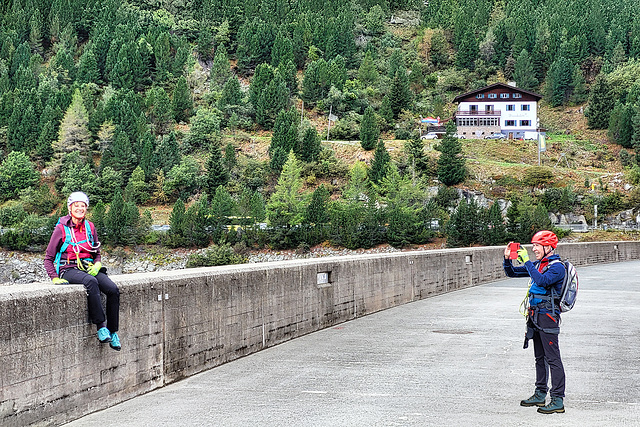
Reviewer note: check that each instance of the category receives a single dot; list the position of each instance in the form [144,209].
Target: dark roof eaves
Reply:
[482,89]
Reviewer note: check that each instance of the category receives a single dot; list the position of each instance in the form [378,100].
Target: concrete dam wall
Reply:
[179,323]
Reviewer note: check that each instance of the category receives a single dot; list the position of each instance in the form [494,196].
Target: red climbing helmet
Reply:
[545,238]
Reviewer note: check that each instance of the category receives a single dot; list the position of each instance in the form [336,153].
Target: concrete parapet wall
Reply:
[176,324]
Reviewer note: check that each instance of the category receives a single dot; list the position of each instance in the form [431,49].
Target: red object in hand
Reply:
[514,247]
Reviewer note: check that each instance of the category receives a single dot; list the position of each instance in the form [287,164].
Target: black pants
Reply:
[546,349]
[94,285]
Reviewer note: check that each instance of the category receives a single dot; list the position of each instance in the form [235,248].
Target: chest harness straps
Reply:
[70,239]
[533,312]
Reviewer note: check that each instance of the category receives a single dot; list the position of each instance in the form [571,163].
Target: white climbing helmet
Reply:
[77,196]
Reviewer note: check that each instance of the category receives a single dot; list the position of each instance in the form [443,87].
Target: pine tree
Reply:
[310,147]
[467,49]
[167,153]
[182,104]
[137,190]
[374,21]
[386,111]
[282,51]
[600,101]
[495,233]
[121,75]
[273,99]
[160,110]
[289,73]
[464,227]
[181,58]
[317,211]
[88,68]
[177,223]
[451,163]
[278,159]
[147,161]
[115,220]
[35,32]
[367,73]
[74,132]
[229,159]
[220,70]
[579,94]
[258,207]
[222,207]
[625,135]
[263,75]
[509,67]
[217,174]
[635,139]
[286,206]
[438,53]
[337,72]
[559,80]
[205,41]
[369,131]
[400,96]
[414,149]
[380,163]
[281,131]
[523,72]
[123,158]
[231,93]
[315,81]
[16,173]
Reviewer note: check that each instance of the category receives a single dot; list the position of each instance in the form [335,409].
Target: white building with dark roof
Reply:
[498,108]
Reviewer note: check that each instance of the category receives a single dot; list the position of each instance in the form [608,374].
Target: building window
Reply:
[517,95]
[504,95]
[511,107]
[509,122]
[526,107]
[525,122]
[480,96]
[492,95]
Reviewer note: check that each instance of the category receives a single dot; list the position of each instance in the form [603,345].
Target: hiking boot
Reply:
[538,399]
[556,405]
[115,342]
[104,335]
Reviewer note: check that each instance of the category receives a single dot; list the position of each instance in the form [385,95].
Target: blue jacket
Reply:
[541,283]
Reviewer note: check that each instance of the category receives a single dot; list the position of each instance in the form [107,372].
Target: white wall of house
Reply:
[515,116]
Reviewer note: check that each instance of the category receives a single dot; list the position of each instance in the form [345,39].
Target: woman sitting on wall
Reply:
[73,256]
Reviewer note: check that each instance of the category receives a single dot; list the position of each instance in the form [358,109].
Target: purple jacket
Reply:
[68,259]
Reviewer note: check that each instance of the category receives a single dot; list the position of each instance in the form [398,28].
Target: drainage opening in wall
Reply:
[324,278]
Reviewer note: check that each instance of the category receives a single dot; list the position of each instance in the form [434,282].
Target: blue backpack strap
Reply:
[65,244]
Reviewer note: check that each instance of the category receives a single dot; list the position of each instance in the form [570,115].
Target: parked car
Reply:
[455,135]
[496,136]
[430,135]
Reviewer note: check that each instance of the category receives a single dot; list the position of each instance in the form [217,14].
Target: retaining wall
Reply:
[178,323]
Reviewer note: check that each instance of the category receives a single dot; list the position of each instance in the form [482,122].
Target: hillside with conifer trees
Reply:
[218,112]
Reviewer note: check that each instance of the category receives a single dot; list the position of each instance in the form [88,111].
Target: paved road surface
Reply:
[452,360]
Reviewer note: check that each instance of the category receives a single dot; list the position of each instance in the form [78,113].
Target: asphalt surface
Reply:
[451,360]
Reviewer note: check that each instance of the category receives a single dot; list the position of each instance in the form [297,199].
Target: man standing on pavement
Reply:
[543,317]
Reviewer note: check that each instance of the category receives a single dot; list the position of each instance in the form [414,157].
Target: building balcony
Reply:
[476,113]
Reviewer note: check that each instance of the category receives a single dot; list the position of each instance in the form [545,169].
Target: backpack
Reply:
[569,290]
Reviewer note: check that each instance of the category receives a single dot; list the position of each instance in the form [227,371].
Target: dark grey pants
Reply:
[94,285]
[546,349]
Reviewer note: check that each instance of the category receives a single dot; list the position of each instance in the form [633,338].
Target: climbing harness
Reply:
[76,246]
